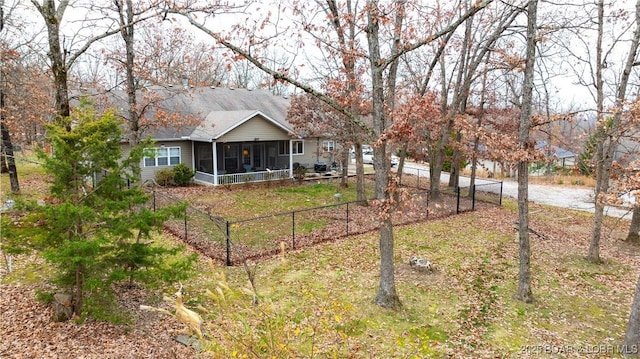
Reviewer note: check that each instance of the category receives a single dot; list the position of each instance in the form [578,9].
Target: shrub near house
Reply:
[179,175]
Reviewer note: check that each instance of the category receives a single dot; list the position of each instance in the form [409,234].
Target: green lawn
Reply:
[317,302]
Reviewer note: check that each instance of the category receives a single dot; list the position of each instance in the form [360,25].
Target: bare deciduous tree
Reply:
[376,16]
[609,127]
[524,274]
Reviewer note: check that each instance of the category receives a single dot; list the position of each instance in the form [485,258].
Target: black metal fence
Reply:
[232,242]
[485,189]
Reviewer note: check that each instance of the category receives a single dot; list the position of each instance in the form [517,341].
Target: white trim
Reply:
[326,149]
[291,143]
[193,156]
[215,162]
[168,157]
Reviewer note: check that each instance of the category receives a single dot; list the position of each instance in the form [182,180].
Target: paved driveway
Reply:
[568,197]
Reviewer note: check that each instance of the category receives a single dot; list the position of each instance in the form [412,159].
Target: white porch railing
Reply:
[244,177]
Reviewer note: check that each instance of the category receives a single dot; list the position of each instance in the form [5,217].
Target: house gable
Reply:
[255,128]
[235,126]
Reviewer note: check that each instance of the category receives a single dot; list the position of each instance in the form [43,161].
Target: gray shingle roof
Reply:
[552,150]
[221,109]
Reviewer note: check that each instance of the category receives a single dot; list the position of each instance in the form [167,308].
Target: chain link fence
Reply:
[234,241]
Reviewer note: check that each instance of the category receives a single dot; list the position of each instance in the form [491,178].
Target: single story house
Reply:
[234,136]
[556,154]
[553,155]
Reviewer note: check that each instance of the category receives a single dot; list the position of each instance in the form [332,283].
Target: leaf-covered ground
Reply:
[26,331]
[318,302]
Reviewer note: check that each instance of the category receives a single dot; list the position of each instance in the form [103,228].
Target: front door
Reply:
[253,157]
[257,158]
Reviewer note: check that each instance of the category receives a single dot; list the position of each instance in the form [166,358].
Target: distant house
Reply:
[557,155]
[243,136]
[552,153]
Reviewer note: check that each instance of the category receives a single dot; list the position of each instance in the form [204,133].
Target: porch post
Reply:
[193,156]
[215,162]
[291,158]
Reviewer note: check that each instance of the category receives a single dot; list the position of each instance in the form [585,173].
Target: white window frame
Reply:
[328,146]
[297,145]
[163,156]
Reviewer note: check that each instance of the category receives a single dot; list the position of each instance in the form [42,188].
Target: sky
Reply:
[566,92]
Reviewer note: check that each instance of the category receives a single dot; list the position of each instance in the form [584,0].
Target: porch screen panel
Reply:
[231,157]
[204,157]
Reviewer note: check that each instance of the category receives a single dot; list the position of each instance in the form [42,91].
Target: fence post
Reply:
[154,200]
[228,244]
[501,182]
[347,219]
[293,230]
[418,184]
[473,198]
[457,199]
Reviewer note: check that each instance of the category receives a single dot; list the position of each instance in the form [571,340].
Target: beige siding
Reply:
[308,158]
[256,127]
[186,157]
[313,153]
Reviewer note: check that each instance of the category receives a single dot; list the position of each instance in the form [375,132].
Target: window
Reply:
[298,147]
[328,146]
[164,156]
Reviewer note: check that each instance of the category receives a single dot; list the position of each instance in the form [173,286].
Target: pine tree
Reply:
[97,224]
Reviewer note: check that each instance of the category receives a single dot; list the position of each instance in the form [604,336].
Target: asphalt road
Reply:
[561,196]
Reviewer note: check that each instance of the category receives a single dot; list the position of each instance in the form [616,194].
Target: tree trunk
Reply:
[456,161]
[476,140]
[3,161]
[609,130]
[474,164]
[57,54]
[634,228]
[6,154]
[631,347]
[7,149]
[435,170]
[344,180]
[403,157]
[596,233]
[387,296]
[524,292]
[524,273]
[601,136]
[126,30]
[346,39]
[361,194]
[78,300]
